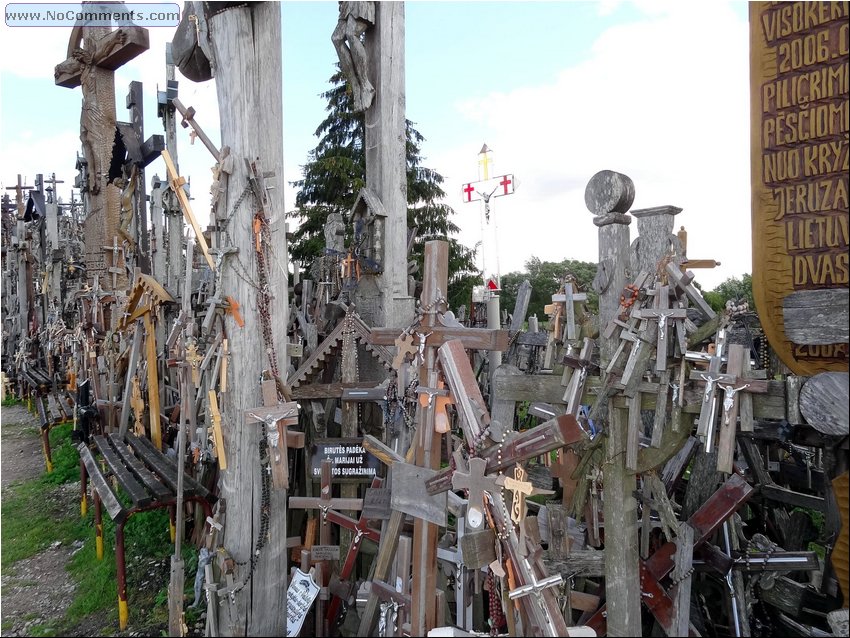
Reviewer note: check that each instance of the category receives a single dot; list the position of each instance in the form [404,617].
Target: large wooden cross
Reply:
[432,336]
[94,53]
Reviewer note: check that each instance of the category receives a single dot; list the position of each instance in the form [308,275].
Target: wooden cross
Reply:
[189,120]
[138,405]
[361,530]
[730,497]
[463,606]
[277,418]
[325,503]
[19,196]
[732,383]
[176,182]
[708,409]
[435,285]
[578,377]
[218,436]
[567,299]
[117,266]
[662,313]
[521,489]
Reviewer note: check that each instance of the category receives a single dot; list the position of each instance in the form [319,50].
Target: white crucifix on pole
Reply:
[484,190]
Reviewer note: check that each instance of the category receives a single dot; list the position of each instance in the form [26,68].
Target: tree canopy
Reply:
[546,278]
[336,171]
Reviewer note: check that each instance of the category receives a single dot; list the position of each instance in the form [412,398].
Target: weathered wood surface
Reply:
[823,403]
[246,45]
[125,478]
[114,508]
[385,158]
[609,195]
[817,317]
[548,389]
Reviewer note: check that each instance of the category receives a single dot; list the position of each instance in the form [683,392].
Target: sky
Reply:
[558,90]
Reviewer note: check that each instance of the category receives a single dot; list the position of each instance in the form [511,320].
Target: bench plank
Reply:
[113,506]
[167,469]
[151,482]
[128,482]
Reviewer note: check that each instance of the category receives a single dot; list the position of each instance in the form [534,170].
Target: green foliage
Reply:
[334,174]
[10,400]
[546,278]
[66,458]
[732,288]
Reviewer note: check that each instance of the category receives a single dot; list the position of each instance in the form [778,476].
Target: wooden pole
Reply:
[425,535]
[609,195]
[386,160]
[247,53]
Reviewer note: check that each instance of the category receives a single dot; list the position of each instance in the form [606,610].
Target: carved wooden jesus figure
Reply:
[93,55]
[354,19]
[94,52]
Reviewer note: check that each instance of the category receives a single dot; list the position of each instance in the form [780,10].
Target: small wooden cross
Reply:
[662,313]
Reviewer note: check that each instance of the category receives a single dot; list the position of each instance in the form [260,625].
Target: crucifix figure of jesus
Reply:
[94,53]
[354,19]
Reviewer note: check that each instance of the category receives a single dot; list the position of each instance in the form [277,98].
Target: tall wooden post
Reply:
[386,162]
[425,534]
[174,216]
[247,62]
[608,196]
[655,238]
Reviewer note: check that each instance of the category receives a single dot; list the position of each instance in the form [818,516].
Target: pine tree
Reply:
[336,171]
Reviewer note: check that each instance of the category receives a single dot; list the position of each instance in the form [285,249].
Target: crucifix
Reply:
[94,53]
[731,383]
[277,417]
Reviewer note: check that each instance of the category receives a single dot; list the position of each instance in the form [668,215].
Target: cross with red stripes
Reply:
[468,190]
[506,181]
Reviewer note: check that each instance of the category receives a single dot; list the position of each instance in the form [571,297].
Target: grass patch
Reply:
[9,401]
[50,628]
[30,522]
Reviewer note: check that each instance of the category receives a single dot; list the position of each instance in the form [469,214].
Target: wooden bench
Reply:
[147,476]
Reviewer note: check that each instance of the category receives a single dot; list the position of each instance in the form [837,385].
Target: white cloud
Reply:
[662,100]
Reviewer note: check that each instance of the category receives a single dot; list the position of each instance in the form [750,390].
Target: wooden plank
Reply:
[191,486]
[681,575]
[128,483]
[151,482]
[502,411]
[113,506]
[474,416]
[410,496]
[817,317]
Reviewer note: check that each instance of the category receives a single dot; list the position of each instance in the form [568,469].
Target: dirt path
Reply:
[35,591]
[21,446]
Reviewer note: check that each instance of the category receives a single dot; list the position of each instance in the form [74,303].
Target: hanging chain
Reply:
[265,511]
